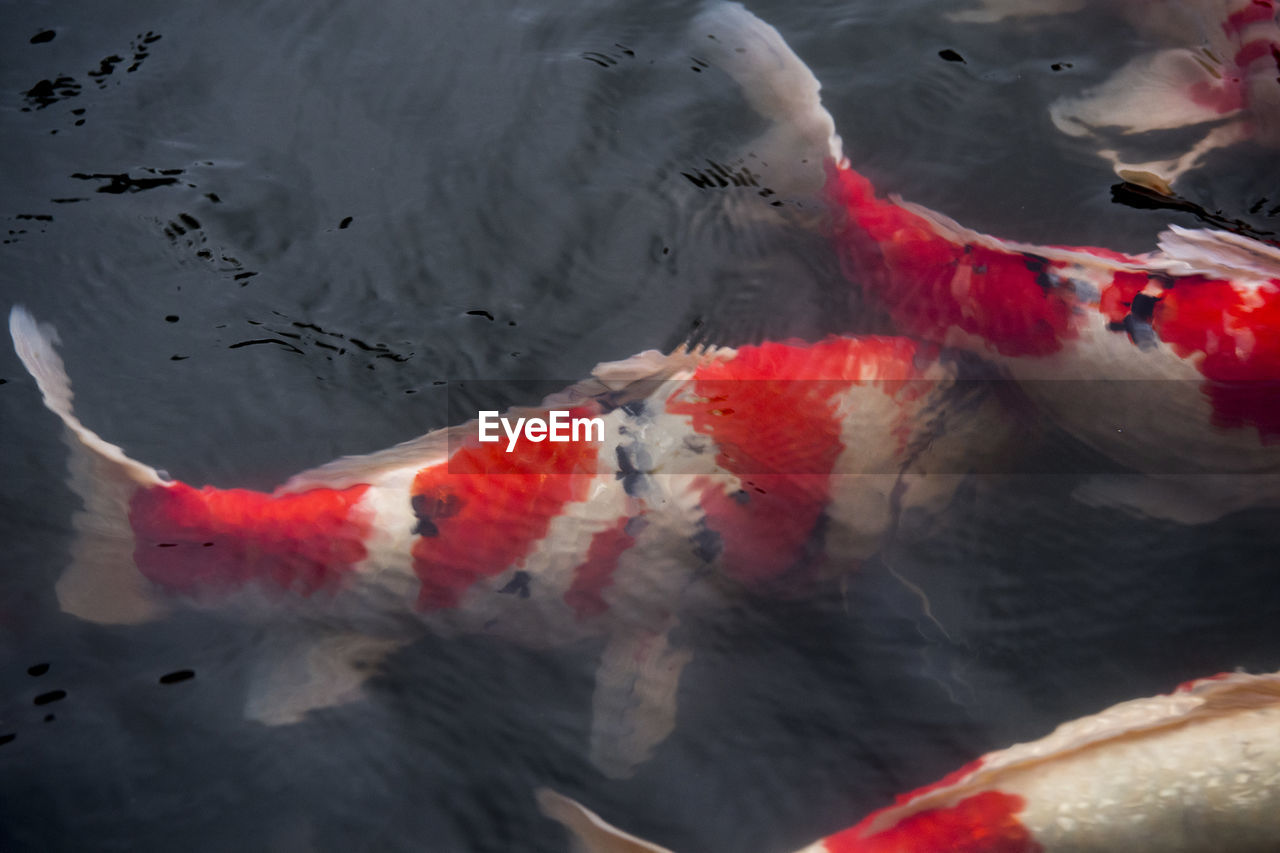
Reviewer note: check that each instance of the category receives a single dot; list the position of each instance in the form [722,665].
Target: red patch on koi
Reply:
[1241,355]
[1117,297]
[932,285]
[499,506]
[983,823]
[1223,97]
[1256,12]
[1253,51]
[586,593]
[213,541]
[772,413]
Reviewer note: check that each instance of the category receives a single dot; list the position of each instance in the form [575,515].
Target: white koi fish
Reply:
[1221,73]
[761,468]
[1168,362]
[1194,771]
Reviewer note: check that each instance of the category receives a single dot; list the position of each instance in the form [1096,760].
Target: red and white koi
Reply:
[1220,72]
[1077,325]
[717,467]
[1194,771]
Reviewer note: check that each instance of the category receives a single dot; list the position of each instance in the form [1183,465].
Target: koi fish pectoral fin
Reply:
[102,582]
[634,705]
[588,831]
[301,674]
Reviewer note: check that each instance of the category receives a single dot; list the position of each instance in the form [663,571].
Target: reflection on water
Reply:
[267,235]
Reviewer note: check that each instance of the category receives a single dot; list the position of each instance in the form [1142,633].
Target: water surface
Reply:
[268,231]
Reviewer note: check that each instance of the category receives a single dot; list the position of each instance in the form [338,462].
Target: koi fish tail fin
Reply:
[102,582]
[780,87]
[590,833]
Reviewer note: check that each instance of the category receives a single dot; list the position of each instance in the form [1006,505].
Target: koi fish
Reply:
[761,468]
[1221,74]
[1193,771]
[1167,362]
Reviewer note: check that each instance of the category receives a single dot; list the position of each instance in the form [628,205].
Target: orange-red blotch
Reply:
[932,285]
[983,823]
[586,593]
[207,542]
[1255,12]
[772,412]
[499,506]
[1233,331]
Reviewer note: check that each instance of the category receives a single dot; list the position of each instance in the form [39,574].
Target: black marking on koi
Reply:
[518,585]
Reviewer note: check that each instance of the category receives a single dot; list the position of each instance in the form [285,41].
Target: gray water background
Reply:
[524,160]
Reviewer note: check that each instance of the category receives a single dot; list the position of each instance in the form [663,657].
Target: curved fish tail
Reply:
[779,86]
[102,582]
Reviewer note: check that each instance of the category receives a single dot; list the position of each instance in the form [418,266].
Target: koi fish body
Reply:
[1218,72]
[1167,362]
[1195,770]
[759,468]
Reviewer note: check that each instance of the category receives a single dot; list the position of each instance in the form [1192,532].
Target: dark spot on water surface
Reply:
[950,55]
[718,175]
[479,312]
[177,676]
[345,223]
[275,341]
[171,318]
[7,738]
[50,697]
[47,92]
[43,37]
[125,183]
[1059,66]
[38,669]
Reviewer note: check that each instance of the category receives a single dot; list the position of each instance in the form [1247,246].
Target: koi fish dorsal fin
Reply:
[102,582]
[347,471]
[590,832]
[779,86]
[946,227]
[1221,254]
[617,382]
[612,383]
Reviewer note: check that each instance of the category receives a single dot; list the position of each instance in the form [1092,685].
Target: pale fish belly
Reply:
[1211,786]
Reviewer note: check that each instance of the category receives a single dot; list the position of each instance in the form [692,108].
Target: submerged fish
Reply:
[1194,771]
[1168,362]
[1220,74]
[760,468]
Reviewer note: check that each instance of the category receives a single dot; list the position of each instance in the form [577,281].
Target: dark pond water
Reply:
[418,192]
